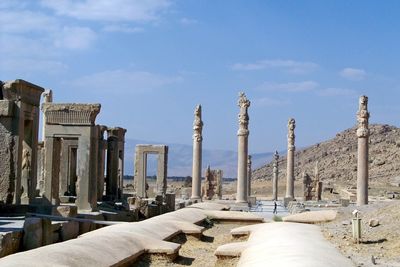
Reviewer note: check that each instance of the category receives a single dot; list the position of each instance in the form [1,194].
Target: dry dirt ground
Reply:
[381,242]
[199,252]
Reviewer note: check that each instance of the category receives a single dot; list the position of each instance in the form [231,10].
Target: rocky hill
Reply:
[337,158]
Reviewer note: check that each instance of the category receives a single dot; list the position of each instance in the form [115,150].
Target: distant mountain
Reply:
[180,159]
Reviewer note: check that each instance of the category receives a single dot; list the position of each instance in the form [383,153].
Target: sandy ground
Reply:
[381,242]
[195,252]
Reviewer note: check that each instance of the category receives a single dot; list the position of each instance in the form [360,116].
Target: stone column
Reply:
[275,177]
[243,134]
[362,159]
[48,98]
[290,159]
[249,175]
[52,147]
[112,164]
[101,162]
[318,184]
[197,154]
[161,183]
[121,160]
[86,188]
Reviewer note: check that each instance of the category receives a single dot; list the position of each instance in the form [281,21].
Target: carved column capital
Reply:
[197,125]
[243,116]
[363,117]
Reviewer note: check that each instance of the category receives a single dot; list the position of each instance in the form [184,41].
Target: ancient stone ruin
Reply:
[19,121]
[243,135]
[141,169]
[275,177]
[197,154]
[212,184]
[362,157]
[290,159]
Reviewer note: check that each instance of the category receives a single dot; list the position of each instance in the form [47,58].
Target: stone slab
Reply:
[285,244]
[210,206]
[311,216]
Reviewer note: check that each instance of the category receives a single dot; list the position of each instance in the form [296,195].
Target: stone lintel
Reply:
[160,149]
[20,90]
[70,113]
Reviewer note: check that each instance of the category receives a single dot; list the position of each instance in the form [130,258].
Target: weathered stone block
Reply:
[170,201]
[69,230]
[152,210]
[6,108]
[66,211]
[33,233]
[10,243]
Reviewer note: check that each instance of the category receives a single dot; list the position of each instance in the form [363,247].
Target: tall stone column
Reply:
[290,159]
[115,148]
[249,175]
[197,154]
[243,134]
[101,161]
[362,159]
[52,148]
[275,177]
[48,98]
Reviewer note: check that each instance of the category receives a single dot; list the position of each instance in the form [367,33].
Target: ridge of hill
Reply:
[337,158]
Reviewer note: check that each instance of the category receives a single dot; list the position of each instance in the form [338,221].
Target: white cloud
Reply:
[188,21]
[291,87]
[24,21]
[106,10]
[270,102]
[32,65]
[353,74]
[122,28]
[74,38]
[290,66]
[125,81]
[336,92]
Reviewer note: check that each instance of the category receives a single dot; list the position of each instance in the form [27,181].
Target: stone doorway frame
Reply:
[141,153]
[72,121]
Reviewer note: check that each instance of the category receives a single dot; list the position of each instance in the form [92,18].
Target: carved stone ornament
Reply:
[291,136]
[243,116]
[197,124]
[363,117]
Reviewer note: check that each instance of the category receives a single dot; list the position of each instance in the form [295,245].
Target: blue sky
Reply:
[150,62]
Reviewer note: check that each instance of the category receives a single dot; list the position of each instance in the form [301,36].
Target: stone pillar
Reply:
[243,134]
[197,154]
[161,184]
[115,150]
[290,159]
[86,188]
[101,162]
[318,184]
[121,160]
[362,159]
[48,98]
[275,177]
[249,175]
[52,147]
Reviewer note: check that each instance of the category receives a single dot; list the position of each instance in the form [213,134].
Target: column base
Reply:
[196,199]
